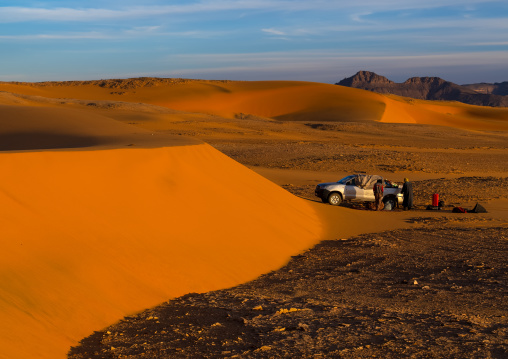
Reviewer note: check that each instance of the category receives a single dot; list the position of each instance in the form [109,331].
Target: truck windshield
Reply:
[345,179]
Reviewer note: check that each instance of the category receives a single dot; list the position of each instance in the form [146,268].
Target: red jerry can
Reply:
[435,199]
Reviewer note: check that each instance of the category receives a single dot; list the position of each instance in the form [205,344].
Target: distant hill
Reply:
[432,88]
[498,88]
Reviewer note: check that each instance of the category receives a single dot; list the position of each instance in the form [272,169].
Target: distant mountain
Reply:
[432,88]
[498,88]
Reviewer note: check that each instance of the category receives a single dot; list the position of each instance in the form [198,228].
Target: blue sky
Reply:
[462,41]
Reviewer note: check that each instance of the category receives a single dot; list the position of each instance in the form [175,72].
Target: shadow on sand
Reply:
[19,141]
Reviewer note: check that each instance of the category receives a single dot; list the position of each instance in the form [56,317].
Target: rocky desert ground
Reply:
[435,291]
[375,284]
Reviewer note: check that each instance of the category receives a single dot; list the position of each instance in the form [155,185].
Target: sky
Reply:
[463,41]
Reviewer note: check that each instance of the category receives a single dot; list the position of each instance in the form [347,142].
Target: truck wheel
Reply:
[390,202]
[335,199]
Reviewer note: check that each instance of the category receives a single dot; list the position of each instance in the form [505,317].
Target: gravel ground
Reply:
[426,292]
[370,147]
[354,158]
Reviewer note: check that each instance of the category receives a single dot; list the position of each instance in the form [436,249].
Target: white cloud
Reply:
[330,66]
[357,17]
[318,58]
[19,14]
[144,29]
[492,43]
[62,14]
[436,30]
[114,35]
[273,32]
[66,36]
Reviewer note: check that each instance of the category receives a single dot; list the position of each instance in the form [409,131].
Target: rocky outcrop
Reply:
[498,88]
[431,88]
[363,77]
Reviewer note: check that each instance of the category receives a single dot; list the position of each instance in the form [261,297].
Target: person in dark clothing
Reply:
[407,192]
[378,193]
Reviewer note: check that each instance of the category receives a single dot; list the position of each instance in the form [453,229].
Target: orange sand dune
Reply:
[290,100]
[441,113]
[283,100]
[125,220]
[90,236]
[25,127]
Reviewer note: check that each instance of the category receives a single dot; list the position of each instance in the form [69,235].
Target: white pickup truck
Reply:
[359,188]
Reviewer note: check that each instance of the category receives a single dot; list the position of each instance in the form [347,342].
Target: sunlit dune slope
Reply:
[90,236]
[441,113]
[123,221]
[288,100]
[282,100]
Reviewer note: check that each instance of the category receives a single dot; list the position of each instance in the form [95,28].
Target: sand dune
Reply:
[451,114]
[102,216]
[283,100]
[90,236]
[110,219]
[43,127]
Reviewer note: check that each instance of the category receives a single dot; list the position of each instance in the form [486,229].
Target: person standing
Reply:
[378,193]
[407,192]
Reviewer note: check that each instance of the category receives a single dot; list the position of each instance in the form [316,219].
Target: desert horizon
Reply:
[121,195]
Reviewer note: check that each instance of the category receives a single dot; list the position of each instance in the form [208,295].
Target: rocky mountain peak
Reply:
[425,81]
[362,77]
[431,88]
